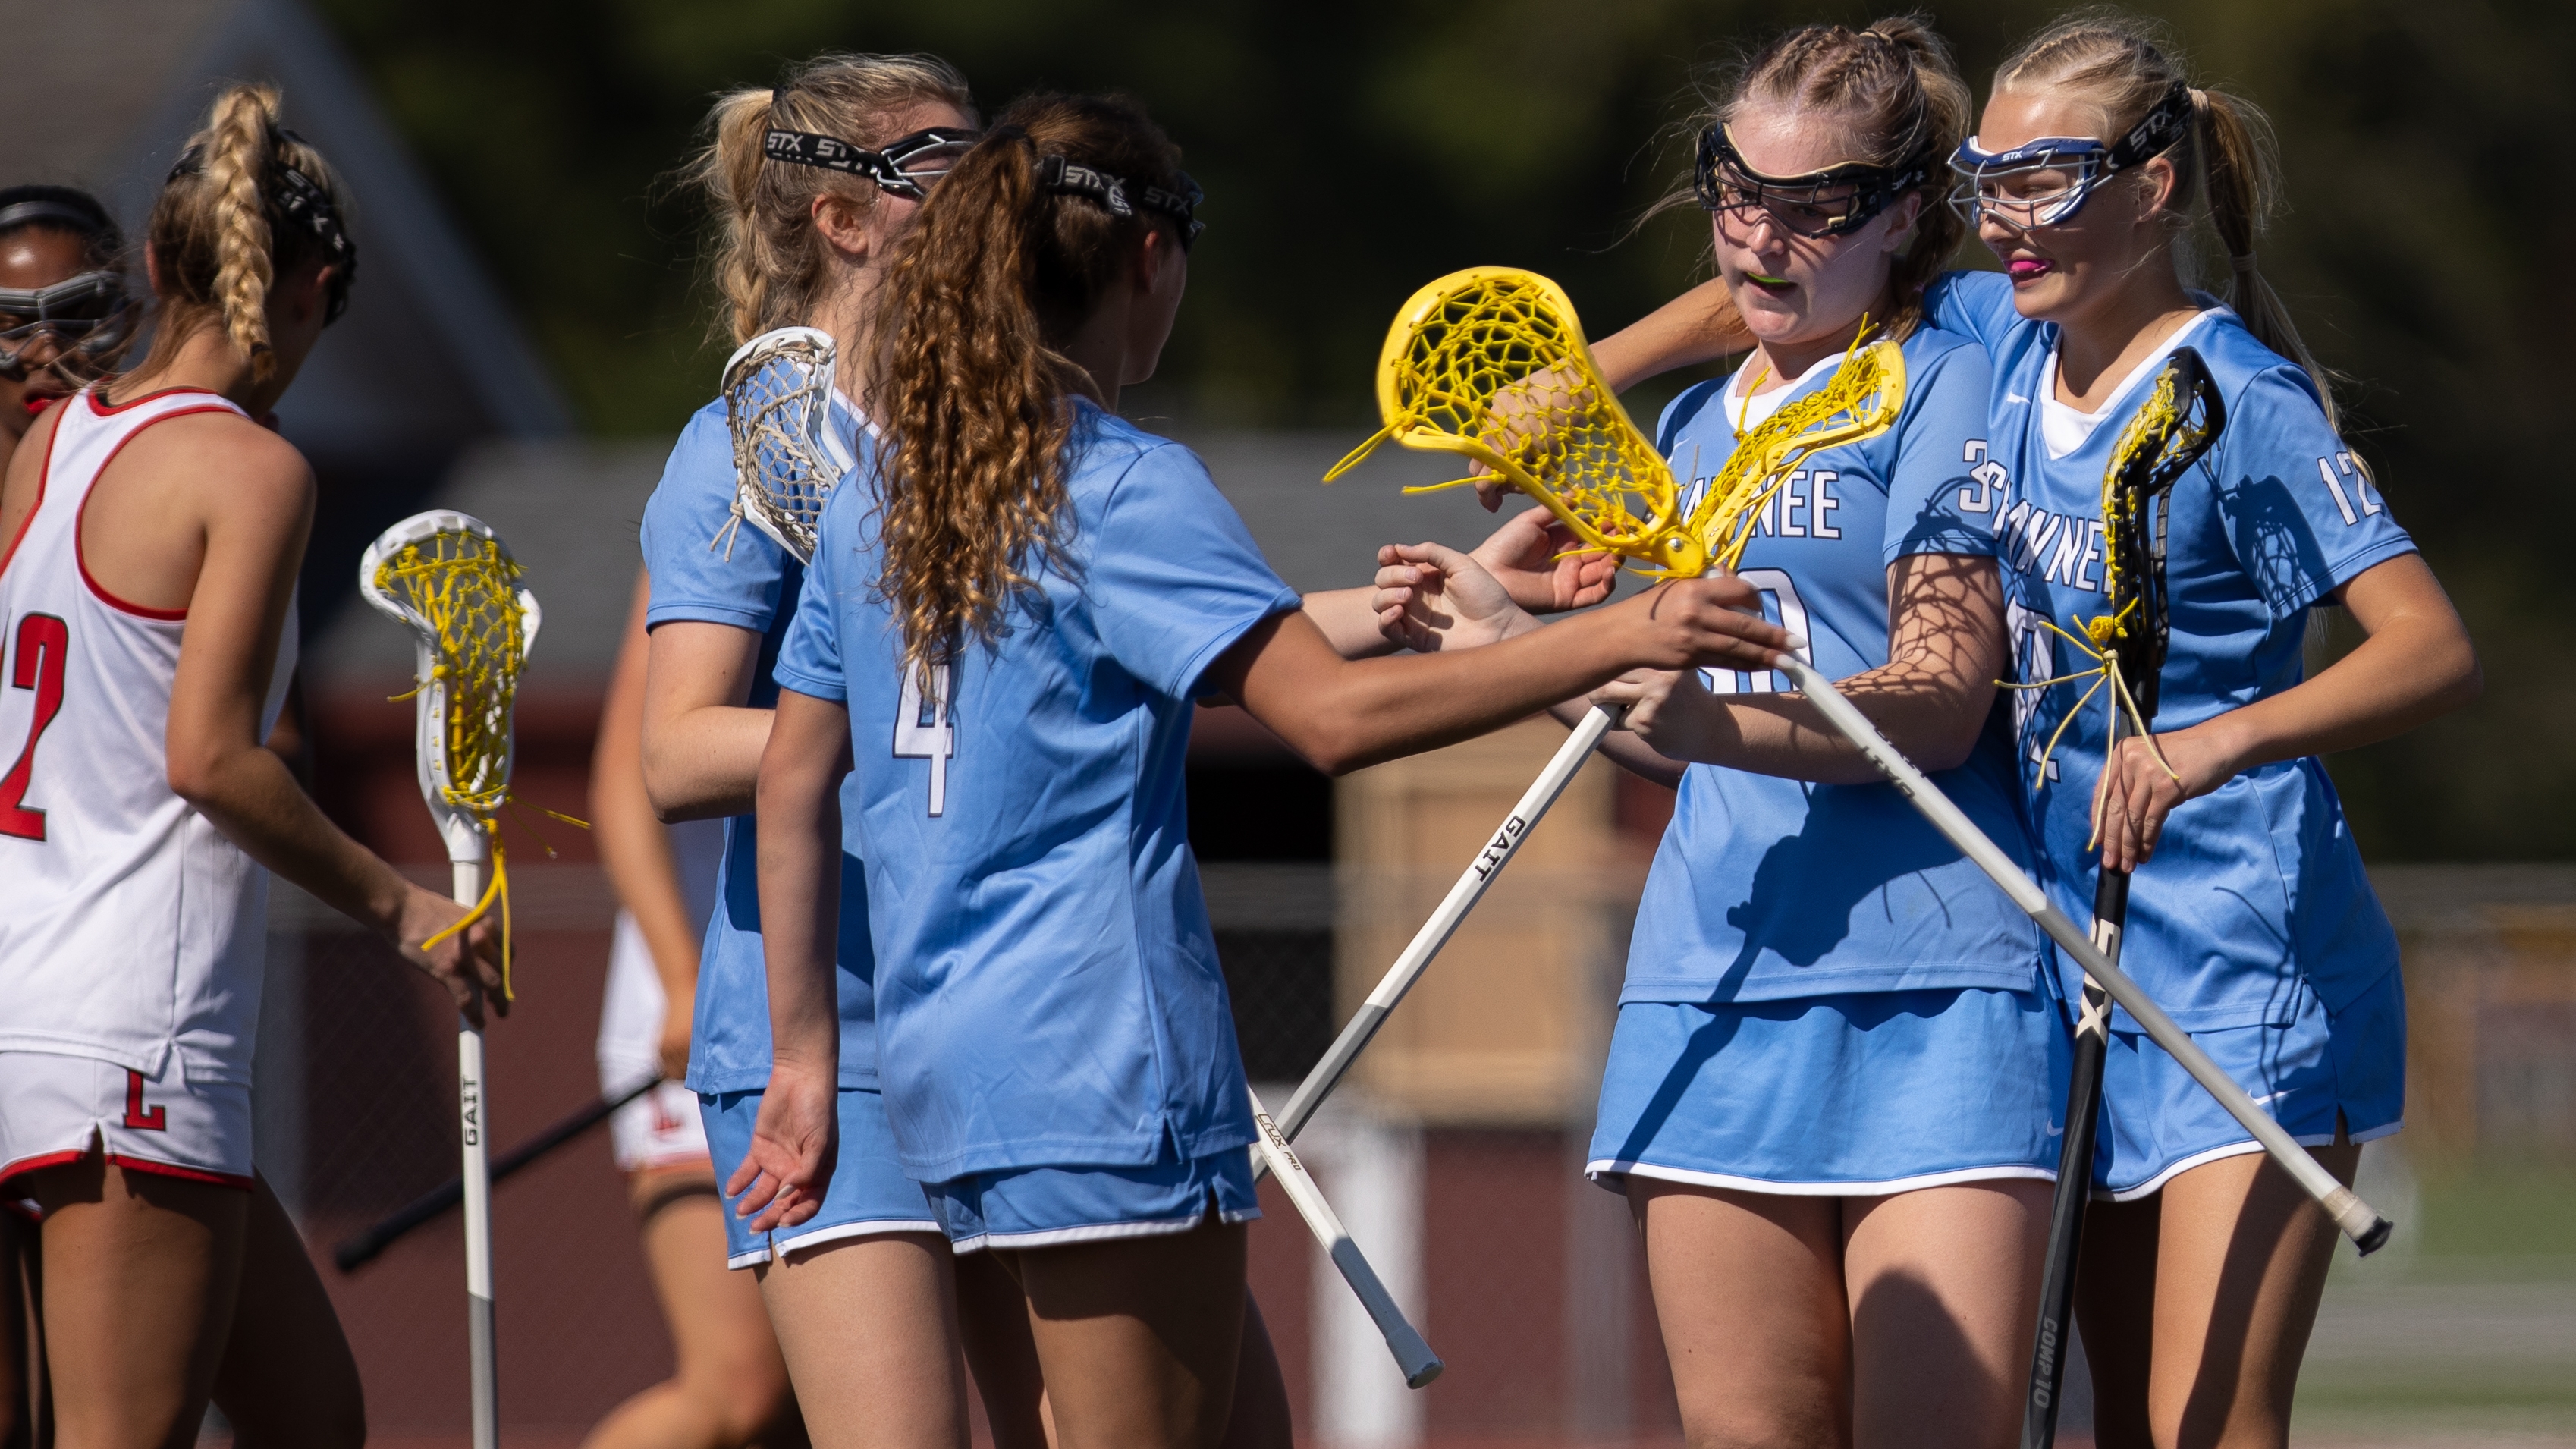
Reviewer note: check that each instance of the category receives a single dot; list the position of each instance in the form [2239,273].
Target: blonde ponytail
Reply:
[249,202]
[768,262]
[2241,168]
[245,118]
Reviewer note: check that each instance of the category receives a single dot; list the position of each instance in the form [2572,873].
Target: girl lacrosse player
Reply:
[812,182]
[2256,928]
[729,1385]
[154,530]
[1836,1055]
[1005,624]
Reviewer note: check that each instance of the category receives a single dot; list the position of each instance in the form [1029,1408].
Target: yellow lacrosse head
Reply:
[1862,400]
[450,579]
[1490,364]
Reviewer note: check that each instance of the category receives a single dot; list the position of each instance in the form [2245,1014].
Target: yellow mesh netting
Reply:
[1861,400]
[466,586]
[1490,363]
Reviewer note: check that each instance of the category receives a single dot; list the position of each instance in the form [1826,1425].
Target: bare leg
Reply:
[287,1376]
[1749,1291]
[1139,1337]
[2240,1268]
[141,1271]
[868,1327]
[729,1388]
[1004,1356]
[1260,1419]
[1944,1286]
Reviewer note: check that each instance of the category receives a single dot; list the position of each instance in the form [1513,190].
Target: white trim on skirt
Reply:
[1608,1167]
[1097,1232]
[822,1236]
[2156,1184]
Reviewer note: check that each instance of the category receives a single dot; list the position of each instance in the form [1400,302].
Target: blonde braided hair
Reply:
[216,244]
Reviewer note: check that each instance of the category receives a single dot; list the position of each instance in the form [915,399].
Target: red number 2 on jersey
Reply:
[42,640]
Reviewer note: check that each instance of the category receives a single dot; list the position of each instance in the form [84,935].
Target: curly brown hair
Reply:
[994,277]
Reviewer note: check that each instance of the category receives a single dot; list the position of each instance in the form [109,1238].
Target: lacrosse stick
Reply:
[1722,526]
[2173,429]
[1490,363]
[1270,1149]
[360,1249]
[778,410]
[448,578]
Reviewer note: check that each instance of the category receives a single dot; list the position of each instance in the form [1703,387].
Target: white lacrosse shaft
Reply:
[1435,933]
[2367,1229]
[483,1354]
[1412,1355]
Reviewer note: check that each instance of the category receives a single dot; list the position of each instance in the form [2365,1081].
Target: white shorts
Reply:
[58,1109]
[660,1128]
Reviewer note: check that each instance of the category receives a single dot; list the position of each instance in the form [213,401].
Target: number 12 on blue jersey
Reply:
[924,729]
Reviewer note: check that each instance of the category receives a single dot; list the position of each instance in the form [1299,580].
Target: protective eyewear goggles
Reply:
[1122,197]
[908,166]
[1832,202]
[2047,181]
[88,318]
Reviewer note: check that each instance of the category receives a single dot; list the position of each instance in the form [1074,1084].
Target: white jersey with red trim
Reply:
[130,928]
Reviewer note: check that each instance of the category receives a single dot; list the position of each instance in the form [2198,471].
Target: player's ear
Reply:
[843,223]
[1900,229]
[2159,179]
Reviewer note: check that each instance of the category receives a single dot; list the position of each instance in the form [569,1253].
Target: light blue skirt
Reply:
[2306,1067]
[868,1193]
[1050,1207]
[1855,1095]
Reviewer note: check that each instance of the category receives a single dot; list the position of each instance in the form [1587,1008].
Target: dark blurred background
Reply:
[1352,151]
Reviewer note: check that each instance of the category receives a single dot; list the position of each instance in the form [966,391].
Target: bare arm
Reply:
[1698,326]
[702,742]
[254,537]
[1343,714]
[1945,649]
[792,1146]
[635,847]
[2416,663]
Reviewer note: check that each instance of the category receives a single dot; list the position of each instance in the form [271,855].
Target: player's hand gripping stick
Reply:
[448,578]
[1412,1355]
[2367,1229]
[2173,429]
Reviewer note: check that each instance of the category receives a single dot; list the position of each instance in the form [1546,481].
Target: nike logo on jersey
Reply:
[2015,398]
[2060,548]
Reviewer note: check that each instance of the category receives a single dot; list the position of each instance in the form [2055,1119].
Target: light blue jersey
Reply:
[2255,887]
[1050,993]
[1767,889]
[707,567]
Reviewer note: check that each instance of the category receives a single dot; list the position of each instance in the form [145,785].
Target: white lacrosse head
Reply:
[450,579]
[778,408]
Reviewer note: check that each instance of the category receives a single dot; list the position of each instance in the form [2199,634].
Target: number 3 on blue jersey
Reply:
[1782,606]
[924,730]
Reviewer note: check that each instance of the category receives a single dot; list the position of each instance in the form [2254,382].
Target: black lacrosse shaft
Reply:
[2074,1181]
[356,1252]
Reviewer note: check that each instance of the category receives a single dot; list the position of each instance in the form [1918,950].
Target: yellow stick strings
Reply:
[1490,363]
[466,587]
[2159,421]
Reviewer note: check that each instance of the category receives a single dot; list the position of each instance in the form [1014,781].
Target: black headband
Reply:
[1071,178]
[884,168]
[2165,123]
[301,201]
[55,213]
